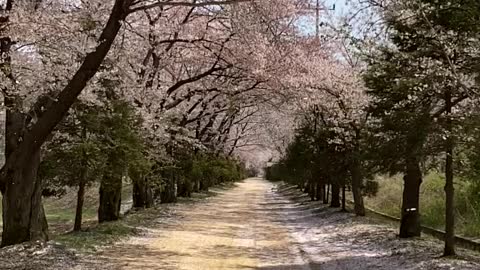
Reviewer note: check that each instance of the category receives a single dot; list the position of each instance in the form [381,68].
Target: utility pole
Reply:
[317,19]
[317,9]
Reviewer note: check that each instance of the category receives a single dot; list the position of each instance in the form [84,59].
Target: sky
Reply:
[341,8]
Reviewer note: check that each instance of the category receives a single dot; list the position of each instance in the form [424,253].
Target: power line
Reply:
[317,9]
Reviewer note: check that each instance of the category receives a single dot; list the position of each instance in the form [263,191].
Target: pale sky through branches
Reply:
[341,8]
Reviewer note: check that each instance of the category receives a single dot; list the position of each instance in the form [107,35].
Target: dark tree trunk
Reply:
[320,191]
[185,189]
[449,188]
[327,193]
[79,211]
[182,190]
[344,207]
[150,202]
[81,187]
[203,185]
[23,213]
[311,190]
[410,220]
[139,193]
[169,195]
[110,198]
[142,192]
[306,187]
[196,186]
[335,195]
[449,206]
[356,172]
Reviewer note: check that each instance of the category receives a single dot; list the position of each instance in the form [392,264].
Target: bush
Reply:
[209,169]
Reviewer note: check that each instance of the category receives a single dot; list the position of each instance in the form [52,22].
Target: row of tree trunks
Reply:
[318,191]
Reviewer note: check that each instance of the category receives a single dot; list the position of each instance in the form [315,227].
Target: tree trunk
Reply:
[327,194]
[356,172]
[150,202]
[110,198]
[311,190]
[79,211]
[81,186]
[449,206]
[23,219]
[185,189]
[142,192]
[410,220]
[335,195]
[169,195]
[344,207]
[320,191]
[306,187]
[203,186]
[449,188]
[196,186]
[23,214]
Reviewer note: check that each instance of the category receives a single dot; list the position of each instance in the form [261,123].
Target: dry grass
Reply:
[432,202]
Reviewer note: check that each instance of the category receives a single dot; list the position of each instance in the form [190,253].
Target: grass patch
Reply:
[101,235]
[432,202]
[60,214]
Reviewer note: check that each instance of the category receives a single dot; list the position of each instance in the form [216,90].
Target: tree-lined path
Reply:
[255,225]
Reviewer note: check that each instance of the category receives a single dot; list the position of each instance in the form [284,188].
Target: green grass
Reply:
[432,202]
[105,234]
[93,237]
[61,214]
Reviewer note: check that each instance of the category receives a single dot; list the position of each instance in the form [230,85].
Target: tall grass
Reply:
[432,202]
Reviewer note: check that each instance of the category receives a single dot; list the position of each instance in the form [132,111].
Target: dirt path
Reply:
[256,226]
[236,229]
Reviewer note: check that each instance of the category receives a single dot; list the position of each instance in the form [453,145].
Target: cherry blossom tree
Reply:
[69,57]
